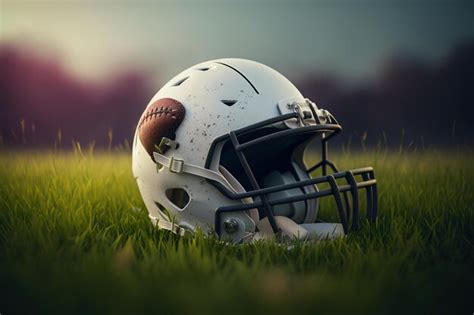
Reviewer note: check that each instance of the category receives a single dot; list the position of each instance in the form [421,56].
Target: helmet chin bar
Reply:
[328,130]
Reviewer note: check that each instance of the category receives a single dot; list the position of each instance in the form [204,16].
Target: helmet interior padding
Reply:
[300,211]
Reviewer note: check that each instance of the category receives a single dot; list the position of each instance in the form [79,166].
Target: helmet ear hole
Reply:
[178,196]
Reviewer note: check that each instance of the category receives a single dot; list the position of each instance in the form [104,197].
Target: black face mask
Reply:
[275,177]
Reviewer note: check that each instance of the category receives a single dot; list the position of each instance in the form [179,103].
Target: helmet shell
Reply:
[218,96]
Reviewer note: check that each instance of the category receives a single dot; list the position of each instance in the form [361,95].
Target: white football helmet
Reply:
[221,148]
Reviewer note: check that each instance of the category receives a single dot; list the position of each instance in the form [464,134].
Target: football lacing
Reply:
[158,112]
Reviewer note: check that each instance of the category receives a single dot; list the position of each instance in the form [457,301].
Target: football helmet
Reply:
[222,147]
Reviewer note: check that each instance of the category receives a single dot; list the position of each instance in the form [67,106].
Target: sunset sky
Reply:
[94,38]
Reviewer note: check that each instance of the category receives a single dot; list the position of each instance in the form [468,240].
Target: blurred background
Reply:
[392,72]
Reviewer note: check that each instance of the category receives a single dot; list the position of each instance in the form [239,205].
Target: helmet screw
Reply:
[231,226]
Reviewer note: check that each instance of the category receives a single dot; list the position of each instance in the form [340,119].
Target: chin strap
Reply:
[178,166]
[167,225]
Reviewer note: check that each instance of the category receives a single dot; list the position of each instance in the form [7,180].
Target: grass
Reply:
[75,239]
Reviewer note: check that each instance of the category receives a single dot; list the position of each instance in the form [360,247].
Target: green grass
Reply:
[74,240]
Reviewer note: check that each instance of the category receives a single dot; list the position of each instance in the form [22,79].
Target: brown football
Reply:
[161,119]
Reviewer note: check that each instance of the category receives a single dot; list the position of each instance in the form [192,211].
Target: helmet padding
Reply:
[300,211]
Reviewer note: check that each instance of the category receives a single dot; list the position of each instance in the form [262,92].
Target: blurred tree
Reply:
[38,97]
[40,92]
[408,96]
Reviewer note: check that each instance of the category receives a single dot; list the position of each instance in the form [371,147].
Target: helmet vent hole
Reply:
[179,82]
[203,69]
[178,196]
[229,102]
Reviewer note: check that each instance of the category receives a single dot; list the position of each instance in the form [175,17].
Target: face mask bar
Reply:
[327,130]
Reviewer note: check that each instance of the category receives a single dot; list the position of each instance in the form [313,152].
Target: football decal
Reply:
[161,119]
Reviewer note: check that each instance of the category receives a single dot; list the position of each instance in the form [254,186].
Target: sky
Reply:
[348,38]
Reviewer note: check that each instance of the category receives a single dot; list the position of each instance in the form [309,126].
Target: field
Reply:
[75,239]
